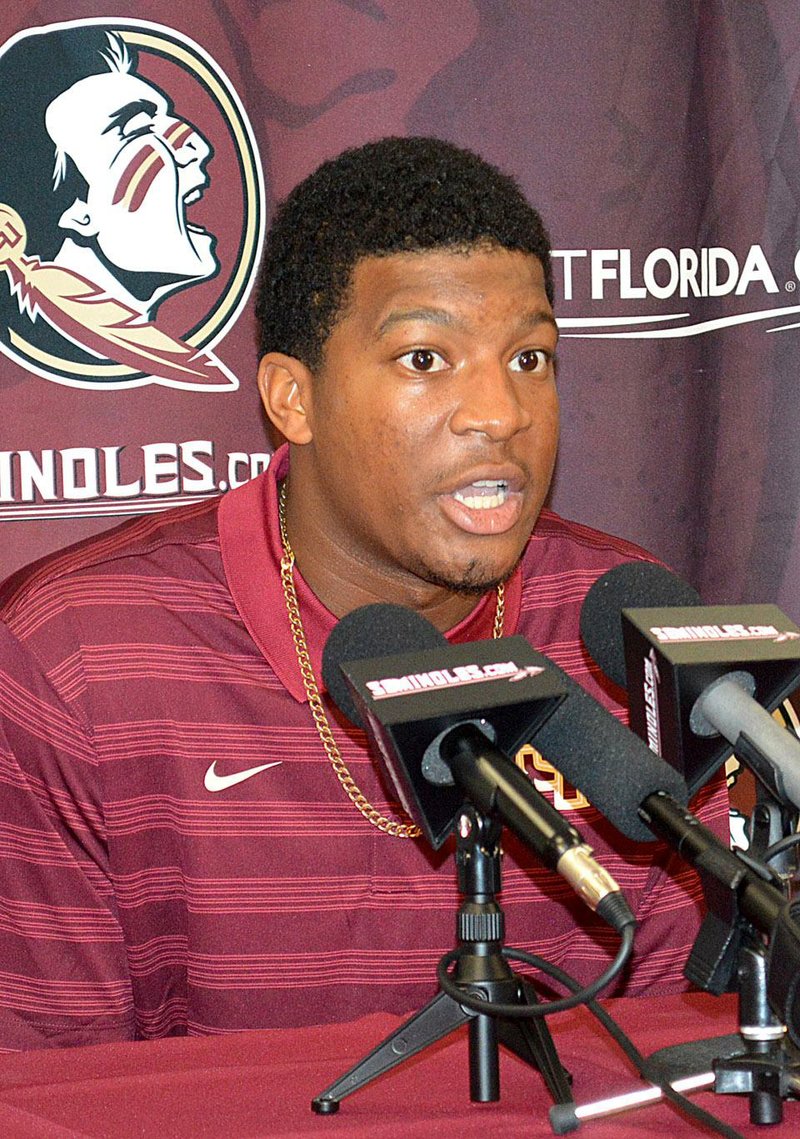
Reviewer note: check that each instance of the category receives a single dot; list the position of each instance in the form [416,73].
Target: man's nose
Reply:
[490,403]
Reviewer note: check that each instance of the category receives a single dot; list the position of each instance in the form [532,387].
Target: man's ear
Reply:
[78,218]
[285,385]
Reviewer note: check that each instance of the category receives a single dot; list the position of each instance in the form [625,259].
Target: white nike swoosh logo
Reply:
[214,782]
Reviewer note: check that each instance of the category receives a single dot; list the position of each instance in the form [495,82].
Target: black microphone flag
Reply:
[409,701]
[446,719]
[671,657]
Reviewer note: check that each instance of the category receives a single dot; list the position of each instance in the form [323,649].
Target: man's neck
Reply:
[343,583]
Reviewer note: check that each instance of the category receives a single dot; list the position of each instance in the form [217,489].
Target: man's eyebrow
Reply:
[531,321]
[404,316]
[527,323]
[117,119]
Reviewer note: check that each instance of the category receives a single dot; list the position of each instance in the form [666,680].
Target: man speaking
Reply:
[193,840]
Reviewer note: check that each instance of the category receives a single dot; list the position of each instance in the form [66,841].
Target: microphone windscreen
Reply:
[377,630]
[632,585]
[614,769]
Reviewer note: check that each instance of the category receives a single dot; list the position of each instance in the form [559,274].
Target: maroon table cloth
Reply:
[261,1083]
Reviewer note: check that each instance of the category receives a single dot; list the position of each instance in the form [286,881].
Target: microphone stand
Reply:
[728,955]
[766,1069]
[481,970]
[775,816]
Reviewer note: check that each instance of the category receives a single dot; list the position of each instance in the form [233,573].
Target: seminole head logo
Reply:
[131,206]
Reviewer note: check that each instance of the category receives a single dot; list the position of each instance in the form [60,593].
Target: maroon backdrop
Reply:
[660,141]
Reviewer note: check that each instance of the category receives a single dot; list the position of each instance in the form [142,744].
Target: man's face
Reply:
[143,167]
[434,419]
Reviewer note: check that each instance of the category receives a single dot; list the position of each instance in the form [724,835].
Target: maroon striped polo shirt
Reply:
[144,892]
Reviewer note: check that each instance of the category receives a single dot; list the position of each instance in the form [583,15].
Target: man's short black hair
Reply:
[397,195]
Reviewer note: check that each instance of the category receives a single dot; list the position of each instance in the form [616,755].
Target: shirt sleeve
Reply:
[63,969]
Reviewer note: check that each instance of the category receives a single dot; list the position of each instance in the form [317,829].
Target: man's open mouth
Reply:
[487,494]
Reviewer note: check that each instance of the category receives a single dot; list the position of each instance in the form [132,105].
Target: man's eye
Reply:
[423,360]
[530,360]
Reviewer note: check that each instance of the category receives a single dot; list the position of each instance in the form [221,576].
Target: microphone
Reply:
[642,622]
[417,707]
[389,671]
[600,756]
[636,790]
[733,891]
[700,678]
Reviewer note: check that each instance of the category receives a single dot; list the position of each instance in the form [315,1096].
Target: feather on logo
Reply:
[81,312]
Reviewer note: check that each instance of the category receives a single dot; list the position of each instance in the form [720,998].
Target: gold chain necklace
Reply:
[371,814]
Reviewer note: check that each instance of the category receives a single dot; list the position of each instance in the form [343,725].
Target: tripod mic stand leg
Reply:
[532,1041]
[481,971]
[528,1039]
[435,1020]
[484,1060]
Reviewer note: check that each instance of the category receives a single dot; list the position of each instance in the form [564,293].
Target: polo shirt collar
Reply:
[250,541]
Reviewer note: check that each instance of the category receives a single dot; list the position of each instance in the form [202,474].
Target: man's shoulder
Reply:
[553,529]
[560,538]
[120,552]
[562,561]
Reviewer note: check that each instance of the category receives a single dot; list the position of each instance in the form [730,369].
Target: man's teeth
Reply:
[483,495]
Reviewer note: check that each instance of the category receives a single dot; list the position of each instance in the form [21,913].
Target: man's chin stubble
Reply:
[474,581]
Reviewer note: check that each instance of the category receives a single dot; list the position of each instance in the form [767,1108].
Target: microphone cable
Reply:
[780,846]
[562,1119]
[524,1012]
[562,1115]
